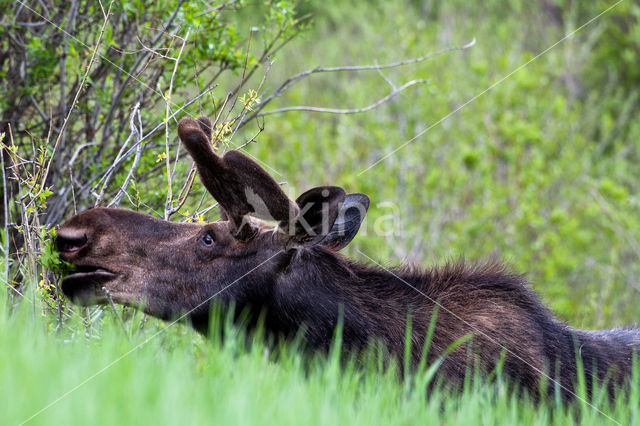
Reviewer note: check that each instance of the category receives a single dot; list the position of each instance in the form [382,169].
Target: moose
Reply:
[280,261]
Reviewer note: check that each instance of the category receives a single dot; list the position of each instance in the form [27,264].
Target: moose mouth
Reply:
[85,286]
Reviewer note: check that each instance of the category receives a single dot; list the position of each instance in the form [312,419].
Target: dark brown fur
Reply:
[297,278]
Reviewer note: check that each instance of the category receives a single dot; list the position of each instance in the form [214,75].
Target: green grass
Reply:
[174,377]
[535,171]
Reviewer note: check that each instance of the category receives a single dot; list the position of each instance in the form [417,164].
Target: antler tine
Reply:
[238,183]
[206,126]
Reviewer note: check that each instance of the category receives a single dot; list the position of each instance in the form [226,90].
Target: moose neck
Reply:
[318,291]
[312,291]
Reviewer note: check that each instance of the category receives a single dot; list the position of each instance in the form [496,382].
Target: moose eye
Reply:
[207,239]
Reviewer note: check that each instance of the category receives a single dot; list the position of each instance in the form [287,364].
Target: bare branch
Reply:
[216,8]
[122,158]
[296,78]
[137,132]
[387,79]
[119,156]
[5,213]
[167,97]
[347,111]
[139,60]
[75,99]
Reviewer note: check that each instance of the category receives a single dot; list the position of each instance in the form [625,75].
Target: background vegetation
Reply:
[541,170]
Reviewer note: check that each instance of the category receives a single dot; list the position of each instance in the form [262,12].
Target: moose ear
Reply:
[319,208]
[350,217]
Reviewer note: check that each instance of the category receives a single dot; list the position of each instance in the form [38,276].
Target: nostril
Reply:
[69,241]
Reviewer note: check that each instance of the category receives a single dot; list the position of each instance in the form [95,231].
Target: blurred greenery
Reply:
[538,167]
[541,170]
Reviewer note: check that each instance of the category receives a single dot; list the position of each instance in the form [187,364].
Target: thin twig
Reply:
[5,206]
[115,311]
[217,8]
[247,108]
[137,132]
[167,96]
[108,176]
[184,192]
[347,111]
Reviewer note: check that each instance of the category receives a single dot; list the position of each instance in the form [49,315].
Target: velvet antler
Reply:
[238,183]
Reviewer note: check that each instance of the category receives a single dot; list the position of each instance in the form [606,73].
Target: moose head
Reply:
[169,269]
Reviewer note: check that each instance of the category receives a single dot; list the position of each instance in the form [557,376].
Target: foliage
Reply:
[50,257]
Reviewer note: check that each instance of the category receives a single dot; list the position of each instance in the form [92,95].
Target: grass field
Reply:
[171,376]
[541,170]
